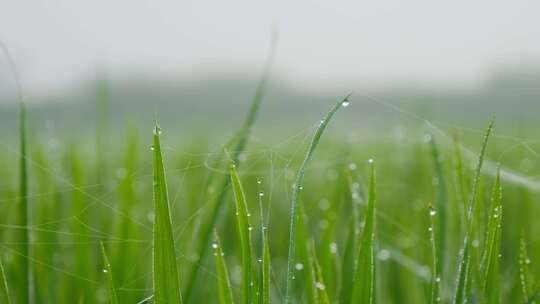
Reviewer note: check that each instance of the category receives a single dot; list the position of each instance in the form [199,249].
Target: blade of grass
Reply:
[23,235]
[113,299]
[349,255]
[462,282]
[490,260]
[320,286]
[435,276]
[265,278]
[217,205]
[3,285]
[305,258]
[297,186]
[165,272]
[224,284]
[244,233]
[440,205]
[524,278]
[364,279]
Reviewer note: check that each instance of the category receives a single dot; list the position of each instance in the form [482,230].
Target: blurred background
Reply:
[197,63]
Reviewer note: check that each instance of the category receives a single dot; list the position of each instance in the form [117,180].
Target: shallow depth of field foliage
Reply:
[434,214]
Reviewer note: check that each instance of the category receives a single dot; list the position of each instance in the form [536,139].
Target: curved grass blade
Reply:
[244,233]
[217,205]
[320,286]
[463,274]
[113,299]
[224,284]
[524,278]
[165,272]
[296,192]
[364,279]
[3,285]
[490,260]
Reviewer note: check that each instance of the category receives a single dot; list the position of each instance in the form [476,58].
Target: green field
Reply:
[432,214]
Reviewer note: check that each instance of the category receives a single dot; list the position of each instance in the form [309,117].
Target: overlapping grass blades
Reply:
[107,270]
[364,278]
[165,271]
[297,186]
[244,234]
[236,145]
[224,284]
[461,294]
[524,277]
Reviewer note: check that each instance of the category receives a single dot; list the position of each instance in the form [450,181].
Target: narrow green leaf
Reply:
[113,299]
[305,258]
[165,272]
[463,275]
[435,295]
[244,233]
[297,186]
[4,286]
[490,260]
[440,205]
[23,294]
[524,278]
[349,255]
[364,279]
[320,286]
[224,284]
[265,278]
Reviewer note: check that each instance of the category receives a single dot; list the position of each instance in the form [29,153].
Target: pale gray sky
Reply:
[334,43]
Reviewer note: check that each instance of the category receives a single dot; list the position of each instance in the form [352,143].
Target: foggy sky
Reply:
[321,43]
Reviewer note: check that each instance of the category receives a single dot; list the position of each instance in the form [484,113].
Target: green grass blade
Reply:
[297,186]
[165,272]
[244,233]
[113,299]
[441,205]
[490,260]
[435,295]
[364,279]
[265,277]
[305,258]
[4,290]
[23,293]
[320,286]
[463,274]
[217,205]
[224,284]
[524,277]
[349,255]
[460,179]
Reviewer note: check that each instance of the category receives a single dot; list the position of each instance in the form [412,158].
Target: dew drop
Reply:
[432,212]
[104,270]
[320,285]
[214,245]
[333,247]
[152,148]
[299,266]
[261,194]
[352,166]
[346,102]
[370,160]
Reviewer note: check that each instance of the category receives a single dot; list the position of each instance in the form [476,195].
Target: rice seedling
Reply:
[364,278]
[165,272]
[463,281]
[297,186]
